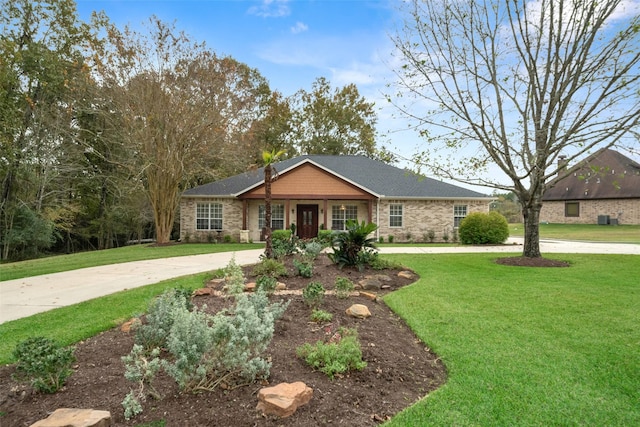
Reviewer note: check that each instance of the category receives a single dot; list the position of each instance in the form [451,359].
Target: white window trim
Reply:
[209,217]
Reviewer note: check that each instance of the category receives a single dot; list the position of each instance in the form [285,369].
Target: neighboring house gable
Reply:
[602,189]
[315,192]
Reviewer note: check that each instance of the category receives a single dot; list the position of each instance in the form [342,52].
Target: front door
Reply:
[307,221]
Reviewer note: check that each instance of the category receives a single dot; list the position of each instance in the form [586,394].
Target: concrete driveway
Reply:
[30,295]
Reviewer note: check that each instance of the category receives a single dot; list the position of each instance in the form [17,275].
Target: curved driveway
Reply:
[30,295]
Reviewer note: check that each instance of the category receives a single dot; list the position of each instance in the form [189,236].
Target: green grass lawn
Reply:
[527,347]
[584,232]
[55,264]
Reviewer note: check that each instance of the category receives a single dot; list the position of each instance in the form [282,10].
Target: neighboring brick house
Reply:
[602,189]
[322,192]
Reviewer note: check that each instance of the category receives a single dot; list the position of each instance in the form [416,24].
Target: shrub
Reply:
[140,368]
[312,249]
[320,316]
[233,277]
[225,348]
[341,354]
[348,246]
[380,239]
[479,228]
[159,319]
[303,268]
[390,238]
[43,364]
[284,243]
[269,267]
[267,284]
[431,236]
[344,287]
[325,237]
[313,294]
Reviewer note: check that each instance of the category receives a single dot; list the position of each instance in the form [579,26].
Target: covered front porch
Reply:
[308,215]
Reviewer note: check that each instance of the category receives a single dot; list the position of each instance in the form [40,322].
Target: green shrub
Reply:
[284,243]
[313,294]
[159,319]
[390,238]
[349,246]
[140,368]
[344,287]
[325,237]
[225,348]
[269,267]
[312,249]
[267,284]
[321,316]
[380,239]
[340,355]
[233,277]
[480,228]
[431,236]
[43,364]
[303,268]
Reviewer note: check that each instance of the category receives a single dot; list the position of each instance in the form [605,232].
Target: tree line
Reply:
[102,128]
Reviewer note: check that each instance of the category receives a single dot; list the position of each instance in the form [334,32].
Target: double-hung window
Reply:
[209,216]
[395,215]
[277,217]
[340,214]
[459,212]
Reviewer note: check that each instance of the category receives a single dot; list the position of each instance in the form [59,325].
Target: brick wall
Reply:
[231,219]
[626,211]
[422,216]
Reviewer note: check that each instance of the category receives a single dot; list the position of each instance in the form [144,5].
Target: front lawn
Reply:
[527,347]
[584,232]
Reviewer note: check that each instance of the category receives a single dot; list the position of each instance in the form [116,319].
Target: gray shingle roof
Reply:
[378,178]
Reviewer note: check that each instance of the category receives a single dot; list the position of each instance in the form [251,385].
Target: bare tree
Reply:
[517,84]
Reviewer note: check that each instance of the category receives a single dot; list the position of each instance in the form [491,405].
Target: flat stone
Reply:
[280,286]
[369,295]
[407,275]
[283,399]
[370,284]
[73,417]
[129,325]
[202,292]
[250,287]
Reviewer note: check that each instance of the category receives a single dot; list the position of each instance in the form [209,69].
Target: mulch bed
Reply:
[400,370]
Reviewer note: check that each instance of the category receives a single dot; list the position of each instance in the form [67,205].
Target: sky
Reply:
[294,42]
[290,42]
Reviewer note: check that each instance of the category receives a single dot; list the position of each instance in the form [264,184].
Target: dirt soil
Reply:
[400,370]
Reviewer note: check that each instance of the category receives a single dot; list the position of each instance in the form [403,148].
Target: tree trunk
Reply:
[268,251]
[531,213]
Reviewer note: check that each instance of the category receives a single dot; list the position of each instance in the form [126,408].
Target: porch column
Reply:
[244,214]
[324,209]
[370,210]
[287,221]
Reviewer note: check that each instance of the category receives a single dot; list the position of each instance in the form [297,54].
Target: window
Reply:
[572,209]
[459,212]
[209,216]
[395,215]
[340,214]
[277,217]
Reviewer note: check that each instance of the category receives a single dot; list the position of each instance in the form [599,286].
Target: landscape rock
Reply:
[280,286]
[203,291]
[73,417]
[407,275]
[382,277]
[250,287]
[359,311]
[215,283]
[370,284]
[129,325]
[283,399]
[369,295]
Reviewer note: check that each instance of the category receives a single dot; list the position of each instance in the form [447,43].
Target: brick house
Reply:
[602,189]
[322,192]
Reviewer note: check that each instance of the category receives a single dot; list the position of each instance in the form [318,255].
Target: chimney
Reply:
[562,164]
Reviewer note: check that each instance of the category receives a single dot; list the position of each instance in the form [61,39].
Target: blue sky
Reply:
[291,42]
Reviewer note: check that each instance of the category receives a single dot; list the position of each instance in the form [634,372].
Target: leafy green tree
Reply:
[516,84]
[43,72]
[338,121]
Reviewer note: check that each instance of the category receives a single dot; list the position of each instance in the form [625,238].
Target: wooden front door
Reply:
[307,221]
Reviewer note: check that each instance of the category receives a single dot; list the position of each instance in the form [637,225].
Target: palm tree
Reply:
[268,159]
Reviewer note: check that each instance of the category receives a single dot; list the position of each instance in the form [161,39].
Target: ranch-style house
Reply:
[322,192]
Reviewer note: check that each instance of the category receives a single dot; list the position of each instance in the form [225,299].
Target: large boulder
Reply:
[359,311]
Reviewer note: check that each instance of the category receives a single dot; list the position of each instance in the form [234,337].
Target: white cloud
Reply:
[300,27]
[271,9]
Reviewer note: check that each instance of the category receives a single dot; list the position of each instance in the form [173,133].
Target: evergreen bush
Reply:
[43,364]
[313,294]
[480,228]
